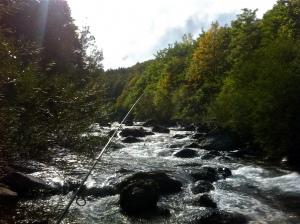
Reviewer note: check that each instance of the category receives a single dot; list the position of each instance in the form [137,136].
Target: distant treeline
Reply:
[244,77]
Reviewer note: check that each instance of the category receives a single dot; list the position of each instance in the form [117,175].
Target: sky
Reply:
[131,31]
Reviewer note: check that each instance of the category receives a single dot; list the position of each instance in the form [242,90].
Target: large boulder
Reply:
[205,201]
[202,186]
[139,196]
[166,184]
[25,184]
[135,132]
[160,129]
[186,153]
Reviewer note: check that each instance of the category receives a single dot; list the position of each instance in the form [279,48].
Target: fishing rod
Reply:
[96,160]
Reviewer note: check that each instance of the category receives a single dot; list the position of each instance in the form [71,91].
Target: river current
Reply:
[263,193]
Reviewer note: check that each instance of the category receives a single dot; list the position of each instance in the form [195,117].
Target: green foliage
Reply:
[244,77]
[50,91]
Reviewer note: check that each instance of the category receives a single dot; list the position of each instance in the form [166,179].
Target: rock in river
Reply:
[186,153]
[166,185]
[202,186]
[135,132]
[139,196]
[131,139]
[205,201]
[160,129]
[24,184]
[6,194]
[205,173]
[211,174]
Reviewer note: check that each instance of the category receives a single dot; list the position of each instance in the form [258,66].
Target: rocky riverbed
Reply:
[154,175]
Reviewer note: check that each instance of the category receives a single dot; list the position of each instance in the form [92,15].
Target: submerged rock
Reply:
[224,172]
[186,153]
[179,136]
[135,132]
[160,129]
[131,139]
[202,186]
[166,185]
[210,155]
[211,174]
[205,173]
[205,201]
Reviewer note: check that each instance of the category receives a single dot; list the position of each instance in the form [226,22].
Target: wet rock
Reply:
[25,184]
[210,155]
[220,141]
[160,129]
[205,173]
[179,136]
[166,185]
[202,186]
[205,201]
[186,153]
[7,194]
[139,196]
[224,172]
[131,139]
[134,132]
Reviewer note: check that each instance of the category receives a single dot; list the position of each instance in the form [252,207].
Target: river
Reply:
[264,194]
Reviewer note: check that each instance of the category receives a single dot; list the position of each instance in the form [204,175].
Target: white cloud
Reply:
[133,30]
